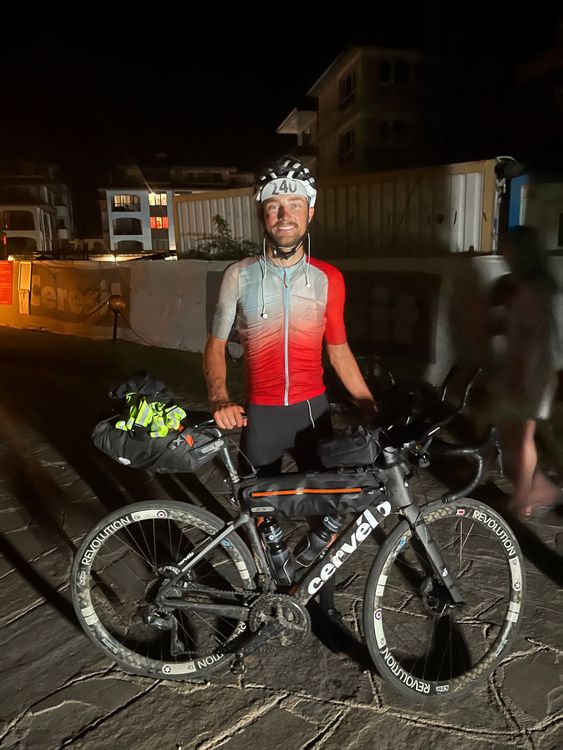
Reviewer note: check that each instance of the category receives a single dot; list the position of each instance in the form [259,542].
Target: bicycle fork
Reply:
[401,500]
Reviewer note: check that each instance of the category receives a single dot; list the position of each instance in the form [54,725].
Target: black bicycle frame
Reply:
[399,500]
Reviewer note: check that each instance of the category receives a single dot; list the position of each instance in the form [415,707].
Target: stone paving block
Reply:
[534,684]
[478,709]
[31,542]
[13,519]
[550,738]
[64,713]
[165,718]
[45,576]
[363,729]
[315,711]
[309,668]
[39,653]
[277,728]
[82,515]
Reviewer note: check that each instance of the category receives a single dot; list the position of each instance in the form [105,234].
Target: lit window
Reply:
[157,199]
[126,203]
[159,222]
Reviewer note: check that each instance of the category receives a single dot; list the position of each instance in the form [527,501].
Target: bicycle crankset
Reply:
[286,610]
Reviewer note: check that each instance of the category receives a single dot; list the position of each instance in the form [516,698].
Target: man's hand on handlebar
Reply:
[368,409]
[228,414]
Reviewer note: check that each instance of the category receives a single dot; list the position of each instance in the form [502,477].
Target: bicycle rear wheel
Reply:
[122,564]
[425,647]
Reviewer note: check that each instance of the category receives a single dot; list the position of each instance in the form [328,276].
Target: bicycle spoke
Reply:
[422,634]
[129,567]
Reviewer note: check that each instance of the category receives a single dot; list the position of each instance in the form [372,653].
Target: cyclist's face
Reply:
[286,218]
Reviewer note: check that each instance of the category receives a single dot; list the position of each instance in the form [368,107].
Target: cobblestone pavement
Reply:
[58,691]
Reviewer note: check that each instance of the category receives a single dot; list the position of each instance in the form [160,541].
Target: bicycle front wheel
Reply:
[123,563]
[425,646]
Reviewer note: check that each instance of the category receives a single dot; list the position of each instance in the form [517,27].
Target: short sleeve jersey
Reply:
[282,316]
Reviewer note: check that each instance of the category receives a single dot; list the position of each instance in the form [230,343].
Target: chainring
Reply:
[284,609]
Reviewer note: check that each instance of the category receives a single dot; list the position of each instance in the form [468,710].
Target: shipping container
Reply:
[408,213]
[194,218]
[405,213]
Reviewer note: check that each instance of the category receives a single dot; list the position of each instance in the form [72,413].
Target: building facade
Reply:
[368,118]
[35,209]
[137,210]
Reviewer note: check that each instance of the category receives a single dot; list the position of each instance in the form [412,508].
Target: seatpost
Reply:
[228,461]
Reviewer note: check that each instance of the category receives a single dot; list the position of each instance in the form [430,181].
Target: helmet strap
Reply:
[284,254]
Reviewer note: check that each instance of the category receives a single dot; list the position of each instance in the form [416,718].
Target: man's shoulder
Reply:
[241,266]
[332,272]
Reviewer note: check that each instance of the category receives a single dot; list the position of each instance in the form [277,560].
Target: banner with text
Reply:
[74,294]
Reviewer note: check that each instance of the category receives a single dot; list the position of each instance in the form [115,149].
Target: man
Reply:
[284,303]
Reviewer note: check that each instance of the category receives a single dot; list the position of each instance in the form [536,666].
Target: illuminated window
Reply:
[159,222]
[126,203]
[157,199]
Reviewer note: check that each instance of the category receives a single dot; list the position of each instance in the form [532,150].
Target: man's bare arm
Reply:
[346,367]
[225,412]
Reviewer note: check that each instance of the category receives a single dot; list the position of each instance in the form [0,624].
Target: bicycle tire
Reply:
[120,565]
[423,651]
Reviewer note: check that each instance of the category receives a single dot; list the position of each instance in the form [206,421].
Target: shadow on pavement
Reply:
[37,581]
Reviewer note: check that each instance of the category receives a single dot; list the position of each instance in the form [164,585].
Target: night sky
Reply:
[211,88]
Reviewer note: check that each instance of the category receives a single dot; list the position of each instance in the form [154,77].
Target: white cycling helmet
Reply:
[287,176]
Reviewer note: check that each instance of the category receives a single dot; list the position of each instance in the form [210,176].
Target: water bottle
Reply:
[279,553]
[315,540]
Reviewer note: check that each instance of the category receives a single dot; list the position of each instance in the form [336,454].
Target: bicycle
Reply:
[171,591]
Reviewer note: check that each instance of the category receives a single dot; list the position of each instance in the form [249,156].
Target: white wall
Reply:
[402,309]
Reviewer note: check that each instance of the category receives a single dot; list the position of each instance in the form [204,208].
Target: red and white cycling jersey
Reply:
[281,323]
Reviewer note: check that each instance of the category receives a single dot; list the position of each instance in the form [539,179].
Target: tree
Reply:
[220,245]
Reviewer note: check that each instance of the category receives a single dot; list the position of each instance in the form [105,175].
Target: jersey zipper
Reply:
[286,337]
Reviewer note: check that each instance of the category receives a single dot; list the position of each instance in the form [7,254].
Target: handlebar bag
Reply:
[353,447]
